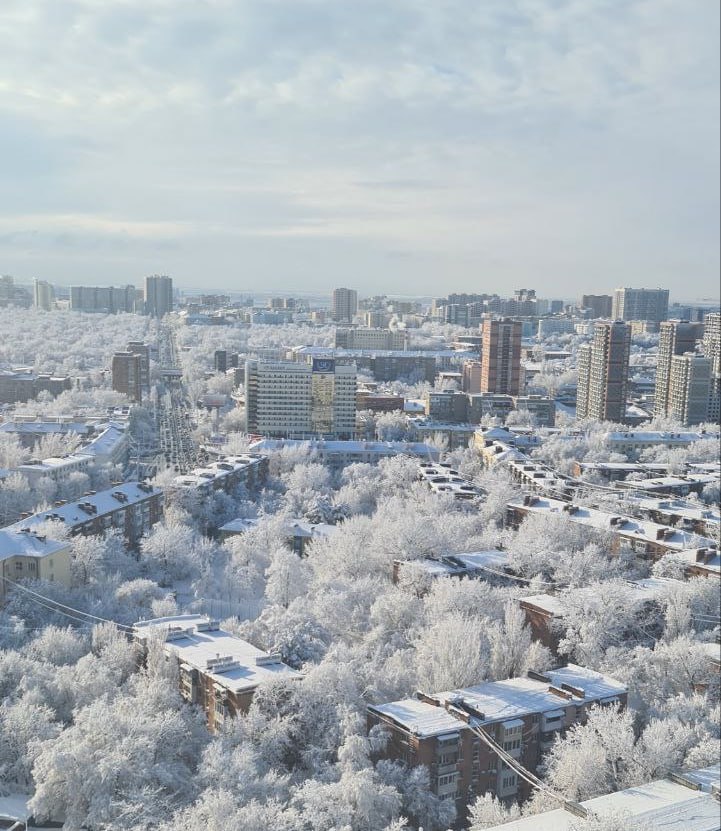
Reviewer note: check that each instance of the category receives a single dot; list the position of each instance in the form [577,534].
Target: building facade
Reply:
[43,295]
[603,373]
[600,305]
[219,672]
[104,299]
[501,356]
[127,375]
[640,304]
[158,295]
[690,389]
[396,339]
[676,337]
[292,400]
[452,733]
[26,555]
[344,305]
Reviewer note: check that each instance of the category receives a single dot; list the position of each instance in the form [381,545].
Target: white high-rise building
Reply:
[43,295]
[158,295]
[640,304]
[290,400]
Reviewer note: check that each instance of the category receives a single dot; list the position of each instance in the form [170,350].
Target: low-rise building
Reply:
[58,469]
[218,671]
[225,473]
[683,802]
[419,574]
[443,479]
[649,539]
[633,441]
[448,732]
[26,555]
[130,507]
[338,453]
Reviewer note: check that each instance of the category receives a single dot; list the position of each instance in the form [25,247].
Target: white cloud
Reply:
[570,144]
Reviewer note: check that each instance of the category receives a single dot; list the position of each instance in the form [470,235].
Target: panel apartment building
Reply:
[603,373]
[292,400]
[522,715]
[218,671]
[640,304]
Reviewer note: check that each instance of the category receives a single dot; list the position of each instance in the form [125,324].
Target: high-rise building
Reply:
[601,305]
[471,379]
[676,337]
[106,299]
[293,400]
[501,356]
[142,350]
[711,342]
[690,388]
[126,374]
[43,295]
[640,304]
[220,360]
[158,295]
[344,305]
[603,373]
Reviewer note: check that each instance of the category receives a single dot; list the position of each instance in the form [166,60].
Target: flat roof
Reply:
[198,645]
[501,700]
[662,805]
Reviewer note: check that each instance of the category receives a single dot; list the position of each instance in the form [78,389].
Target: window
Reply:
[447,758]
[448,779]
[512,744]
[509,781]
[18,566]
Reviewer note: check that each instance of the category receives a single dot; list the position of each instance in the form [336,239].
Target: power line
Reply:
[64,606]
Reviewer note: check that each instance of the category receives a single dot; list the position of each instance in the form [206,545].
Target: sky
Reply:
[395,146]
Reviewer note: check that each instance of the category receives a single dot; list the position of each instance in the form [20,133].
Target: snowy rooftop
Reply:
[16,543]
[690,556]
[106,442]
[659,437]
[639,591]
[502,700]
[662,805]
[627,527]
[238,526]
[195,644]
[104,502]
[380,448]
[215,471]
[55,463]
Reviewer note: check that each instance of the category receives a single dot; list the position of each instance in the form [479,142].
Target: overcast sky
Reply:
[396,146]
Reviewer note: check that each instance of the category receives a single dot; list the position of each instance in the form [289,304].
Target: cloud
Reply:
[563,142]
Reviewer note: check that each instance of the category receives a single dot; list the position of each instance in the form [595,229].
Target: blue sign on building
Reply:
[326,365]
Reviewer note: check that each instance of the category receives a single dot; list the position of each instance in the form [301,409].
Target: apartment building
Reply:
[676,337]
[290,400]
[603,373]
[142,350]
[640,304]
[225,473]
[634,441]
[219,672]
[471,377]
[395,339]
[20,385]
[344,305]
[685,801]
[103,299]
[452,733]
[57,469]
[127,375]
[501,356]
[43,295]
[132,508]
[26,555]
[690,389]
[600,305]
[420,574]
[158,295]
[649,539]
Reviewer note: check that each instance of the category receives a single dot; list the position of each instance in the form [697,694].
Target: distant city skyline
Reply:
[393,148]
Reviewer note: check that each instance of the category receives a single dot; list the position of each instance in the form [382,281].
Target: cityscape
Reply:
[451,557]
[360,415]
